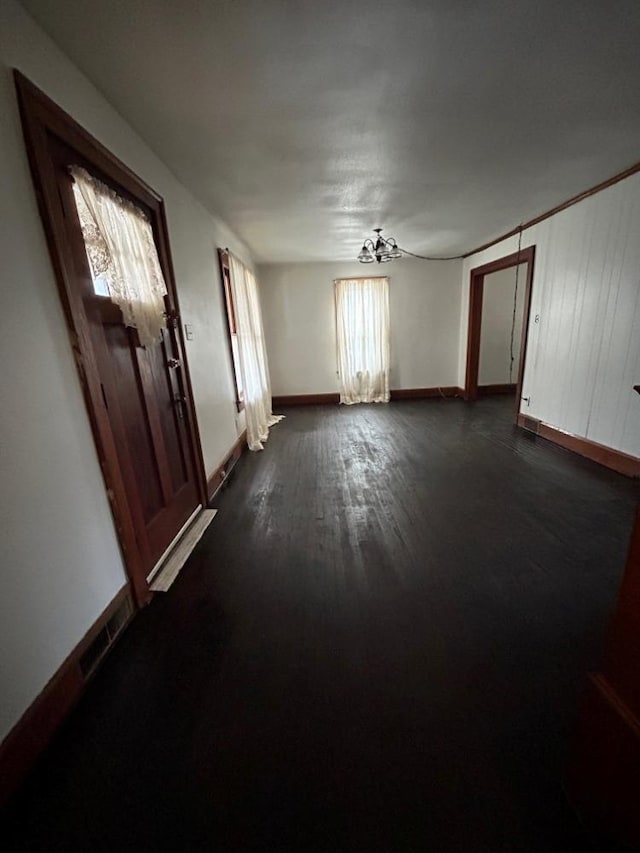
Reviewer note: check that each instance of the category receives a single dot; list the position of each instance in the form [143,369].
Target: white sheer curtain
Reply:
[252,354]
[362,331]
[121,251]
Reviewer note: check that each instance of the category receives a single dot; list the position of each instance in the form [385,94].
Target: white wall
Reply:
[583,356]
[299,320]
[497,322]
[61,563]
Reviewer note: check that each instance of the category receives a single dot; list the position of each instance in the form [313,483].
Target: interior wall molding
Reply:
[616,460]
[426,393]
[500,388]
[305,399]
[396,394]
[222,473]
[36,727]
[603,185]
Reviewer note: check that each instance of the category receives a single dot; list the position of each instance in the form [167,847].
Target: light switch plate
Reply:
[188,331]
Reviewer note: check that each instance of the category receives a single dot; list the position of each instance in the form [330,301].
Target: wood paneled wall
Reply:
[584,333]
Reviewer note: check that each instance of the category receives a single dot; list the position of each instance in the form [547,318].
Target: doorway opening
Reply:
[499,304]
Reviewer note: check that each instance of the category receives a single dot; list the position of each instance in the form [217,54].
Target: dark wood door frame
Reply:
[45,125]
[230,310]
[476,293]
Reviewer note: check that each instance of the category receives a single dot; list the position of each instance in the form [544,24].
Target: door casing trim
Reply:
[476,293]
[43,120]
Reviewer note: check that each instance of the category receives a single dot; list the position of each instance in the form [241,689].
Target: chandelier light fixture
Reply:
[382,249]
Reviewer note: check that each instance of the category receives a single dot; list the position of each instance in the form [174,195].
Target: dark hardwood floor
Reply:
[379,645]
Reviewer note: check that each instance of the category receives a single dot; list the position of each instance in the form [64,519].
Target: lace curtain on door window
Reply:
[122,253]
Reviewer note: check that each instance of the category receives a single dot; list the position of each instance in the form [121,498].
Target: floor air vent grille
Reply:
[531,424]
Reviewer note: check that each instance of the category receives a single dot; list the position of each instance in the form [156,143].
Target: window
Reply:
[362,334]
[232,329]
[122,255]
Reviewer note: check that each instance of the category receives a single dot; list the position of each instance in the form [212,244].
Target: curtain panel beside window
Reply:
[252,355]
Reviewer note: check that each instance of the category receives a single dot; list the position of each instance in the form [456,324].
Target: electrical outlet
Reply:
[188,331]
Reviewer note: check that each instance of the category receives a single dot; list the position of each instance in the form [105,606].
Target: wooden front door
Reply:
[144,397]
[139,398]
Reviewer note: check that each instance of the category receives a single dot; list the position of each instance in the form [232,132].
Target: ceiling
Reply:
[306,123]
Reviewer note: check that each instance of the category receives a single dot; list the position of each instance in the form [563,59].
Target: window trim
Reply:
[231,324]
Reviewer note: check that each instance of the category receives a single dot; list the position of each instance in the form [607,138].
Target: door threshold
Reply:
[154,571]
[172,565]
